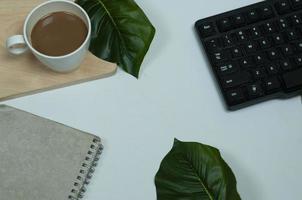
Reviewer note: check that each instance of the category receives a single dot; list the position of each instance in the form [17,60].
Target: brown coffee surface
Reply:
[58,34]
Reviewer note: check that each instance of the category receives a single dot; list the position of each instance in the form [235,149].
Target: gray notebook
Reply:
[43,160]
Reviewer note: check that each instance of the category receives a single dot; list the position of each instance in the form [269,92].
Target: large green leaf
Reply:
[121,32]
[193,171]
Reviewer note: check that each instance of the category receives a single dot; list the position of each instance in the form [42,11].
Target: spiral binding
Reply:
[86,171]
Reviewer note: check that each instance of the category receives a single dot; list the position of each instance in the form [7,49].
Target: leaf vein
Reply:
[201,182]
[114,24]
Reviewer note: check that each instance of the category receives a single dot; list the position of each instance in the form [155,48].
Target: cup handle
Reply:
[16,45]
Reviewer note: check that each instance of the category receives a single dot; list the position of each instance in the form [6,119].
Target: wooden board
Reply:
[23,75]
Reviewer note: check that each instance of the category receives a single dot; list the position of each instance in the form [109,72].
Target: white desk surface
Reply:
[176,97]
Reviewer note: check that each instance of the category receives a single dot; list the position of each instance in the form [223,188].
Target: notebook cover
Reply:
[42,159]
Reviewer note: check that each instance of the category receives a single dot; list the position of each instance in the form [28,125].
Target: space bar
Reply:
[293,79]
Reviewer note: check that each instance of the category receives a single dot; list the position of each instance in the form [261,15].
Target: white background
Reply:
[176,97]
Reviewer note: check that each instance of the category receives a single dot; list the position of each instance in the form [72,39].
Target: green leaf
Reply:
[193,171]
[121,32]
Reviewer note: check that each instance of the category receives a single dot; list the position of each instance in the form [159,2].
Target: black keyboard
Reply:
[255,51]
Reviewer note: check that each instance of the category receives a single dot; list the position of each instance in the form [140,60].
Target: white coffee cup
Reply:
[19,44]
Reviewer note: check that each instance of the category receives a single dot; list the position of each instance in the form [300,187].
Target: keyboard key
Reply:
[283,7]
[298,46]
[298,61]
[273,54]
[250,47]
[224,25]
[254,90]
[278,38]
[268,28]
[297,4]
[265,43]
[238,20]
[206,29]
[235,80]
[260,58]
[258,73]
[213,45]
[291,35]
[293,79]
[227,68]
[295,20]
[240,36]
[287,50]
[255,32]
[283,24]
[272,69]
[235,96]
[246,62]
[299,29]
[266,12]
[252,16]
[220,56]
[285,64]
[272,85]
[227,41]
[236,52]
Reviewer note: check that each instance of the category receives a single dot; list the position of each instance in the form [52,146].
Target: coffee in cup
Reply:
[57,32]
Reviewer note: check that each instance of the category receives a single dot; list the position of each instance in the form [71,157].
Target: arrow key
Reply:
[254,90]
